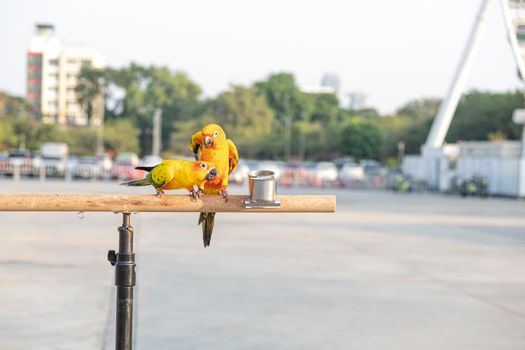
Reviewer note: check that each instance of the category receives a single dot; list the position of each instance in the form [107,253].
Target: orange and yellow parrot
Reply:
[177,174]
[211,145]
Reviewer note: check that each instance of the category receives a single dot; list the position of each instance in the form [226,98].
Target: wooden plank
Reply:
[152,203]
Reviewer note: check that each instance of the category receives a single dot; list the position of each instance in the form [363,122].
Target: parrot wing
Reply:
[161,175]
[196,144]
[233,156]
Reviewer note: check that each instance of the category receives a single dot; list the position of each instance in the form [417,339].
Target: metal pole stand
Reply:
[124,262]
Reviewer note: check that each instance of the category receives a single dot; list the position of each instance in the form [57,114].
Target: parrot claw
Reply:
[196,194]
[159,193]
[224,195]
[199,193]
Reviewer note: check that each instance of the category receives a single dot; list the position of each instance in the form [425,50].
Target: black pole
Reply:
[124,263]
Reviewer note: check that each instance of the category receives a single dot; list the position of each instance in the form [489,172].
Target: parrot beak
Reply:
[211,174]
[207,141]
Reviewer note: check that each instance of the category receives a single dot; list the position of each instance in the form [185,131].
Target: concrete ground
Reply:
[387,271]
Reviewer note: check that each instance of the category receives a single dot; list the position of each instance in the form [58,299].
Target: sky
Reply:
[392,51]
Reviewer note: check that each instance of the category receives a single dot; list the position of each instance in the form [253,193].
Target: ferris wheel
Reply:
[514,19]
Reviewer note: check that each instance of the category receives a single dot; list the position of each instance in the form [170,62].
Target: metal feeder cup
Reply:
[263,188]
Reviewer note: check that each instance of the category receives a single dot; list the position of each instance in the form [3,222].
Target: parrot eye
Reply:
[216,133]
[203,166]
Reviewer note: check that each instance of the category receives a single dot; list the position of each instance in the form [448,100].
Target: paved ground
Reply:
[386,272]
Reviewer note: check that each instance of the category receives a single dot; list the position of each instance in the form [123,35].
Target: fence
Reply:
[124,259]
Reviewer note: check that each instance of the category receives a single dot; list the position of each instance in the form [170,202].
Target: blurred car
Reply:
[150,160]
[19,161]
[91,167]
[124,167]
[295,173]
[53,156]
[270,165]
[88,168]
[371,167]
[325,172]
[241,173]
[351,172]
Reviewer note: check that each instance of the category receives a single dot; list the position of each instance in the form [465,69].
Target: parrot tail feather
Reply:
[207,220]
[145,168]
[141,182]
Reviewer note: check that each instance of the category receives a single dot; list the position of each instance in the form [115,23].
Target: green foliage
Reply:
[481,114]
[419,109]
[244,115]
[90,90]
[12,106]
[411,125]
[82,141]
[254,117]
[145,89]
[362,139]
[120,135]
[326,108]
[8,138]
[284,97]
[15,132]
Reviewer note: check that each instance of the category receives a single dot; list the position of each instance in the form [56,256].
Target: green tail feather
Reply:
[207,220]
[141,182]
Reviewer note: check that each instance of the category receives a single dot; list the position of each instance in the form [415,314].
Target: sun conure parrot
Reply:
[177,174]
[211,145]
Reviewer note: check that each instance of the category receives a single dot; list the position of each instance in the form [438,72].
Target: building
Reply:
[331,80]
[331,84]
[52,72]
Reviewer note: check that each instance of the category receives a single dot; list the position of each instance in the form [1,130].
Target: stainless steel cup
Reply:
[263,186]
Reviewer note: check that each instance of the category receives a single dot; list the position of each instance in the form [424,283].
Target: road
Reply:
[387,271]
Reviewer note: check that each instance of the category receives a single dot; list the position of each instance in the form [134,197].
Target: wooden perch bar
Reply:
[152,203]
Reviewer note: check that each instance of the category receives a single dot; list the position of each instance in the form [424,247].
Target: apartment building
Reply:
[52,73]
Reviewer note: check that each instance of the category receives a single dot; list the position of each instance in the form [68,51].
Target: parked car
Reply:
[351,172]
[19,161]
[88,168]
[371,167]
[325,172]
[295,173]
[124,167]
[53,157]
[241,173]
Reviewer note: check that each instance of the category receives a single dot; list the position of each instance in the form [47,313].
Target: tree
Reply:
[143,90]
[481,114]
[284,97]
[420,109]
[8,138]
[13,106]
[121,136]
[362,139]
[242,112]
[90,90]
[325,107]
[245,115]
[411,125]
